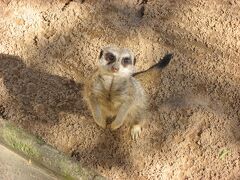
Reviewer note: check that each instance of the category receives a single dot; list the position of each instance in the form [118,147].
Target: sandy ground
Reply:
[193,131]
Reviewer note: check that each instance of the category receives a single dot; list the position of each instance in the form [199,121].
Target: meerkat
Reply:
[114,92]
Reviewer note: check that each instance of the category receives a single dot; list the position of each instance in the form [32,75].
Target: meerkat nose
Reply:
[115,69]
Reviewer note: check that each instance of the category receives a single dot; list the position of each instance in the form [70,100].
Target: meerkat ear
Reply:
[101,53]
[134,61]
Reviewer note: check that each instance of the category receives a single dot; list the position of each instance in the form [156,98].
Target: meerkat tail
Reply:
[162,63]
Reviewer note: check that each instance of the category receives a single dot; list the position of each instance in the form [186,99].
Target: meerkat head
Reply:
[116,61]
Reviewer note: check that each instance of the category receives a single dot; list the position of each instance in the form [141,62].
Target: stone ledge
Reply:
[39,152]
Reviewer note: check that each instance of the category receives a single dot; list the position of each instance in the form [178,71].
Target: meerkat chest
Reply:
[112,89]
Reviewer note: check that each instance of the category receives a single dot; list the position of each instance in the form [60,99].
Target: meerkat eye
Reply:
[110,57]
[126,61]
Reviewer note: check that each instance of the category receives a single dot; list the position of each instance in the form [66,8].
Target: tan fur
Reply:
[111,95]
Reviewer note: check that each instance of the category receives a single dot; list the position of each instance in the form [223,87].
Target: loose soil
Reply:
[49,48]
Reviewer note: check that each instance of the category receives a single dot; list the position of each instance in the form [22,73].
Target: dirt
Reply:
[50,47]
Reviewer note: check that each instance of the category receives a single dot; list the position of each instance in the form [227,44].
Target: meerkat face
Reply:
[116,61]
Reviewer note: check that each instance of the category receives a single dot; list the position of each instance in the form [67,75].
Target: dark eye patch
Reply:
[126,61]
[110,58]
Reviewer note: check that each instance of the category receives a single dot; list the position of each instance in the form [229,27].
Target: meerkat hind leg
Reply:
[136,121]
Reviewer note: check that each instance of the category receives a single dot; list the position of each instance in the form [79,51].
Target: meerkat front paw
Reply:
[136,131]
[115,125]
[101,123]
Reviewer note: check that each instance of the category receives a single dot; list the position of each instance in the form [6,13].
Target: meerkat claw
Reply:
[136,131]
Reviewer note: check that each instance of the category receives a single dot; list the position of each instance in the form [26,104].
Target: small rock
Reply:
[20,21]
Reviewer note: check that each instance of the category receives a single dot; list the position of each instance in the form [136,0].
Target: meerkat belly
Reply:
[111,102]
[111,93]
[111,107]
